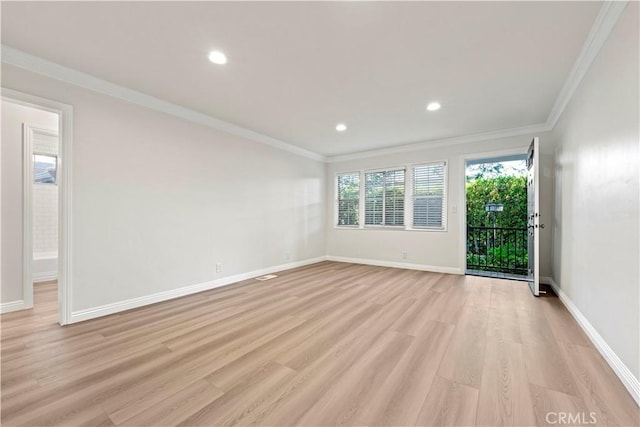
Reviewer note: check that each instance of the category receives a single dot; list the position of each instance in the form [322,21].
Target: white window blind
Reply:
[348,198]
[384,197]
[429,196]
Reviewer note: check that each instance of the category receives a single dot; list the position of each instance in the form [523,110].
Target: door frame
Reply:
[28,132]
[64,180]
[463,192]
[534,221]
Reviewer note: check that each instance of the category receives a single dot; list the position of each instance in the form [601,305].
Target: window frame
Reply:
[445,197]
[384,199]
[408,199]
[56,162]
[336,200]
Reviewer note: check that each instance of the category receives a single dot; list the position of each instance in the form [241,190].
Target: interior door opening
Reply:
[30,140]
[497,243]
[36,225]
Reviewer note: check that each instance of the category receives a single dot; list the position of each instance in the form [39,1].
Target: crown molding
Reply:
[55,71]
[457,140]
[604,23]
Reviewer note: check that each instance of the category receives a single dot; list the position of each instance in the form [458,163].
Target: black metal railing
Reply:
[497,249]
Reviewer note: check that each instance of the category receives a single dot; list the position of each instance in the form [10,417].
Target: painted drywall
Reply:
[595,229]
[44,268]
[440,251]
[13,116]
[158,201]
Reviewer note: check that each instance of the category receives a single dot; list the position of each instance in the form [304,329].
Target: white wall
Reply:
[157,201]
[441,251]
[13,116]
[44,268]
[595,244]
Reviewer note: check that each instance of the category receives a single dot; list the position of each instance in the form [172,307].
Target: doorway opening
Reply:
[36,147]
[496,217]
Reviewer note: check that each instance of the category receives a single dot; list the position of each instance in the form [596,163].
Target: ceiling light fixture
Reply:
[341,127]
[433,106]
[217,57]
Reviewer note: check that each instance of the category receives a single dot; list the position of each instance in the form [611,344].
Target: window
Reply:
[348,198]
[429,196]
[44,168]
[384,198]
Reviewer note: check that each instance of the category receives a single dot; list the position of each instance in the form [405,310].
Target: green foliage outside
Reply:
[381,189]
[511,191]
[348,194]
[497,250]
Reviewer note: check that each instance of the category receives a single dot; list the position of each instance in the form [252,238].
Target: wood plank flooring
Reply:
[327,344]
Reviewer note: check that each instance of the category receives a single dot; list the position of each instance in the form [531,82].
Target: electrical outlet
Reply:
[218,267]
[404,255]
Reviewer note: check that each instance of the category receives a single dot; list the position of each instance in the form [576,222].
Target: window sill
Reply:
[385,227]
[389,227]
[428,230]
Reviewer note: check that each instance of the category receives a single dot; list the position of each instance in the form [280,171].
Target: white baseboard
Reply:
[8,307]
[405,265]
[622,371]
[44,277]
[104,310]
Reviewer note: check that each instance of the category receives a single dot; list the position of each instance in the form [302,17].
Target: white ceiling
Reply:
[296,69]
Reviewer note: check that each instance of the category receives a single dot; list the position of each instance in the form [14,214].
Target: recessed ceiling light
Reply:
[341,127]
[217,57]
[433,106]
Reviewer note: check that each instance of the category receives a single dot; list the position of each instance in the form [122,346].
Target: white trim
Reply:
[604,23]
[408,198]
[363,190]
[411,200]
[336,197]
[403,265]
[385,169]
[533,179]
[104,310]
[55,71]
[621,370]
[28,276]
[383,227]
[457,140]
[389,228]
[8,307]
[44,277]
[65,213]
[490,155]
[27,215]
[362,212]
[65,187]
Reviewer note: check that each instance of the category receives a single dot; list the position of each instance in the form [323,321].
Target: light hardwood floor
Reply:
[327,344]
